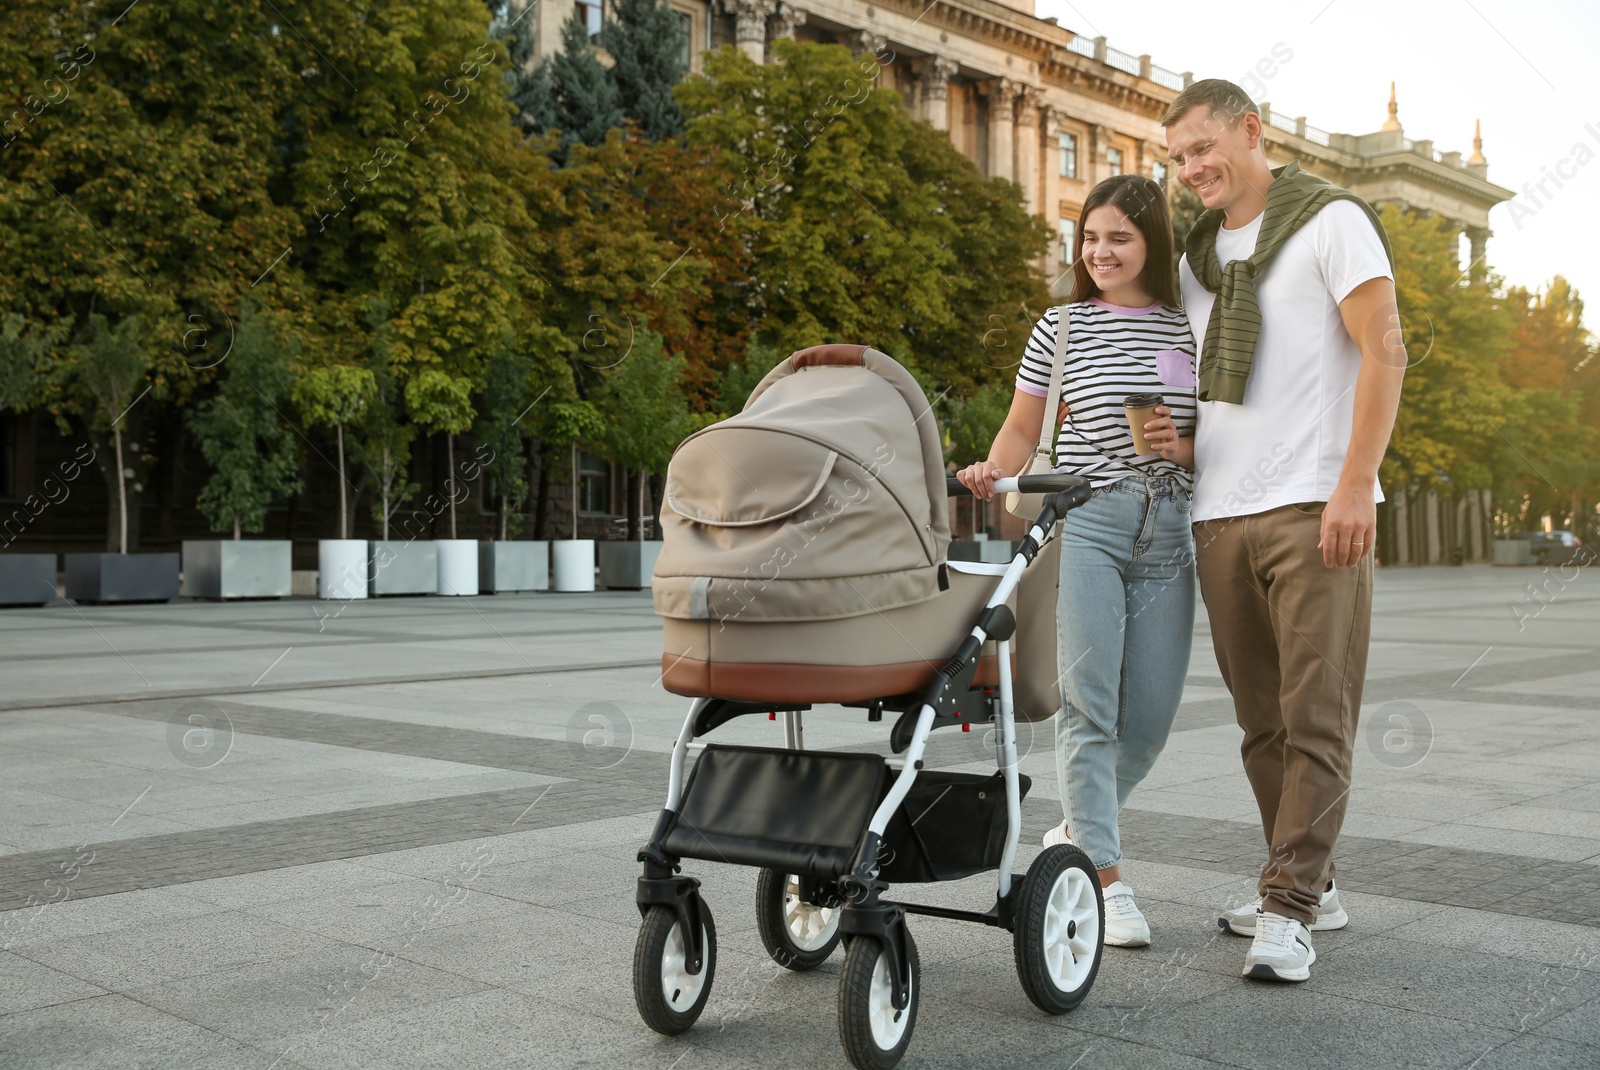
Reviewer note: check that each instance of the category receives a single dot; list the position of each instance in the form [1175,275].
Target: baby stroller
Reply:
[804,562]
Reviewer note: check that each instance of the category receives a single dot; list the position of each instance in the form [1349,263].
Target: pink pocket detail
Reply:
[1175,368]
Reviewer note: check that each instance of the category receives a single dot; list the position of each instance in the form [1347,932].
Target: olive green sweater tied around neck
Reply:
[1235,325]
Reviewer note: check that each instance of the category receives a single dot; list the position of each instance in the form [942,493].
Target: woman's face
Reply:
[1113,248]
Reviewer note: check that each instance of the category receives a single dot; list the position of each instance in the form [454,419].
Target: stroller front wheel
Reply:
[874,1034]
[799,935]
[1060,927]
[669,997]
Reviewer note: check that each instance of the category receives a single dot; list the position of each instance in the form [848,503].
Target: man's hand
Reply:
[1349,527]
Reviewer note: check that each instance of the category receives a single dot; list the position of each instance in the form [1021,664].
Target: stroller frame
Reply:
[857,896]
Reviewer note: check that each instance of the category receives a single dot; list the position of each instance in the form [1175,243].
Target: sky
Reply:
[1528,69]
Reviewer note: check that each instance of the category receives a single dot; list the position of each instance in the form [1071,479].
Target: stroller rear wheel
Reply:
[669,997]
[798,935]
[1060,927]
[874,1034]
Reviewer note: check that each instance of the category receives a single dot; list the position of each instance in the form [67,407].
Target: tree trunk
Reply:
[635,504]
[386,481]
[574,534]
[237,535]
[344,510]
[656,485]
[122,496]
[541,495]
[450,480]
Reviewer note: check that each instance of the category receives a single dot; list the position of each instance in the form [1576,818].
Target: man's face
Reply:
[1213,158]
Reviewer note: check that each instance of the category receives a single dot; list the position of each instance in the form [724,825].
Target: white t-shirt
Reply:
[1112,352]
[1287,442]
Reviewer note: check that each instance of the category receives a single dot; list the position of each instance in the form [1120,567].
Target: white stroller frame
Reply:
[1069,893]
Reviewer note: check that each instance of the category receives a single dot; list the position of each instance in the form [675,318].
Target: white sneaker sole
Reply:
[1137,940]
[1324,923]
[1264,971]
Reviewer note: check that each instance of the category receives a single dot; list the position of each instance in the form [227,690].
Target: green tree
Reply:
[566,426]
[868,226]
[647,416]
[336,396]
[440,402]
[25,351]
[106,371]
[385,436]
[1184,204]
[646,41]
[583,102]
[242,433]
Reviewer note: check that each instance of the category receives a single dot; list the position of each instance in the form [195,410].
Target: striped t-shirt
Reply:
[1113,352]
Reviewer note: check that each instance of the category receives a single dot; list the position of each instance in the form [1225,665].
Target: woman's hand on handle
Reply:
[979,478]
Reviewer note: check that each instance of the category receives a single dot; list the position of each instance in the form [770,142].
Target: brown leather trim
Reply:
[836,353]
[779,682]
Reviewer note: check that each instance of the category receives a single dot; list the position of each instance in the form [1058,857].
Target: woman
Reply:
[1126,608]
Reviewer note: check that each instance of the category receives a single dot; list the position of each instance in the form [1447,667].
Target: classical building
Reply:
[1056,112]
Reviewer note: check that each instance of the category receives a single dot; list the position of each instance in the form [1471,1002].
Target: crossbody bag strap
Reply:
[1052,400]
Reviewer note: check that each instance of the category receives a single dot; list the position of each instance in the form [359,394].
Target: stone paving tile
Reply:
[26,986]
[113,1032]
[1537,1053]
[1578,1026]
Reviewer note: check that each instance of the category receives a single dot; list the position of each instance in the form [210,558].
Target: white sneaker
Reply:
[1281,950]
[1125,926]
[1057,835]
[1330,915]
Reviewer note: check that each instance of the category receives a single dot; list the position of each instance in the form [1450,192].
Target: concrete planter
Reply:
[236,568]
[122,577]
[27,579]
[458,566]
[628,565]
[1513,552]
[342,568]
[399,567]
[513,566]
[572,564]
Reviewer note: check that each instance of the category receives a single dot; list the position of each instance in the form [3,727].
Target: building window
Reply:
[1158,172]
[686,27]
[591,11]
[594,485]
[1069,156]
[1114,161]
[1067,231]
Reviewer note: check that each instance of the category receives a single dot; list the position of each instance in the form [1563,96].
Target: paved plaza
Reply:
[400,834]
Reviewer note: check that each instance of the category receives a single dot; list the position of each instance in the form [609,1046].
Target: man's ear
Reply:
[1252,129]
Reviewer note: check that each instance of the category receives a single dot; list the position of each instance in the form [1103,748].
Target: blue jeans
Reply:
[1125,619]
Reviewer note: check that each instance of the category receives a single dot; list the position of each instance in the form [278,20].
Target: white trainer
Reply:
[1281,950]
[1125,925]
[1058,835]
[1241,921]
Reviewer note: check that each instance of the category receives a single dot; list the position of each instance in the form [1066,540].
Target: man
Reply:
[1289,288]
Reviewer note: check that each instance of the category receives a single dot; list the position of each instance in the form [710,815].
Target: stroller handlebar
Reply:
[1050,483]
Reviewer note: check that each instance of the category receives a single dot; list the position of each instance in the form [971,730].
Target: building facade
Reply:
[1056,112]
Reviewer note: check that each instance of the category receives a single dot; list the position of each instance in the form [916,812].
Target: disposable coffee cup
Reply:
[1141,410]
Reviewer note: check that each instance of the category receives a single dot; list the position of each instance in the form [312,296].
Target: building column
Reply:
[1479,239]
[750,26]
[933,72]
[866,41]
[1002,93]
[1028,146]
[785,19]
[1099,167]
[1051,208]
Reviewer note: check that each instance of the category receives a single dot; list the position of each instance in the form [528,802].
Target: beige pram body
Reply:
[804,562]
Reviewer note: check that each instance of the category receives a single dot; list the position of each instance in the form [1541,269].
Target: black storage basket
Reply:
[805,812]
[950,826]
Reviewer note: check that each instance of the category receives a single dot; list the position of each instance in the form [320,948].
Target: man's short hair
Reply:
[1226,100]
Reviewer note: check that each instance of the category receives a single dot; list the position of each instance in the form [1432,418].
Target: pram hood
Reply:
[823,499]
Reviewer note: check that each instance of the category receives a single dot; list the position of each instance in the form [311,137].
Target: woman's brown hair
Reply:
[1145,205]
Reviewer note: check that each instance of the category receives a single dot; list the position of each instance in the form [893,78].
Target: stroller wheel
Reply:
[874,1034]
[797,934]
[669,997]
[1060,927]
